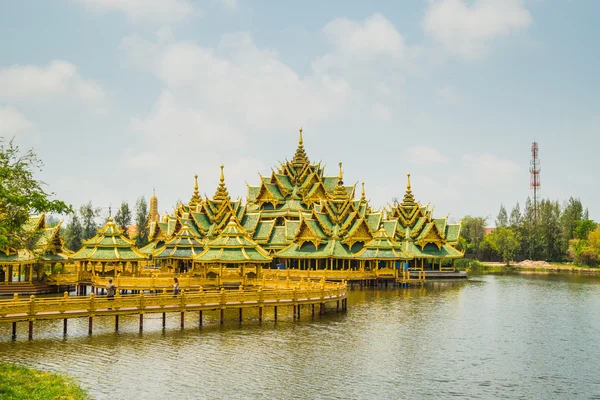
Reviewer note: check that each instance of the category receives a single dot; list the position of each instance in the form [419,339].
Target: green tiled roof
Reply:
[382,247]
[278,238]
[233,245]
[184,245]
[453,233]
[263,230]
[253,192]
[19,257]
[441,224]
[430,251]
[373,220]
[250,221]
[330,249]
[201,220]
[330,182]
[291,227]
[109,245]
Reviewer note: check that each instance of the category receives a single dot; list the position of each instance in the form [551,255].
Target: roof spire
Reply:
[409,199]
[363,197]
[300,159]
[221,194]
[341,175]
[196,195]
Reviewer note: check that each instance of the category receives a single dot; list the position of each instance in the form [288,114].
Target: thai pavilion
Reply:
[45,248]
[108,251]
[304,219]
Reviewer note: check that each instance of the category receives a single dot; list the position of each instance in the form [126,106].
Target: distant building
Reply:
[488,231]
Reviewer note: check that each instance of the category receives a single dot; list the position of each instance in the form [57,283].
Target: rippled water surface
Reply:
[495,336]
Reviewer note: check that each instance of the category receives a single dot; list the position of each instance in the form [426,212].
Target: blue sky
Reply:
[122,96]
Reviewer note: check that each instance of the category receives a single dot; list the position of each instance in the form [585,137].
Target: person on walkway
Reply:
[111,290]
[175,286]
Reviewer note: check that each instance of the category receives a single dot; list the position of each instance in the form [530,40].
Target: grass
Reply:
[18,382]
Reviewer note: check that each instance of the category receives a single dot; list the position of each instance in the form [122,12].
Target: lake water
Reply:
[494,336]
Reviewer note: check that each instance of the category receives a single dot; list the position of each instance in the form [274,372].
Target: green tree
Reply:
[74,234]
[572,215]
[515,217]
[584,227]
[141,220]
[88,220]
[21,194]
[123,216]
[473,230]
[554,248]
[502,218]
[531,238]
[506,243]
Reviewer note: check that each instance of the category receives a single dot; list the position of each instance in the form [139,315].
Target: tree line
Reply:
[84,223]
[550,232]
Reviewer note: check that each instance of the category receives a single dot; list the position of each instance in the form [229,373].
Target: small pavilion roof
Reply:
[109,245]
[382,247]
[184,245]
[233,245]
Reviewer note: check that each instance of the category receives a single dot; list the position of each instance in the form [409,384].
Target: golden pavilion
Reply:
[299,218]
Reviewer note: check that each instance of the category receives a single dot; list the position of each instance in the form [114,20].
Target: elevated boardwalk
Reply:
[308,293]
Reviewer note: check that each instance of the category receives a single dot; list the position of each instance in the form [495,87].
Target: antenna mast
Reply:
[535,176]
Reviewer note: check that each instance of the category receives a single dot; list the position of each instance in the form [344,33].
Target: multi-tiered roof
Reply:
[108,246]
[298,212]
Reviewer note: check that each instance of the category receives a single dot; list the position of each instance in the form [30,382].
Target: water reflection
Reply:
[494,336]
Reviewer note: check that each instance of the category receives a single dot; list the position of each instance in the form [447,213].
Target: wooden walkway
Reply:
[33,309]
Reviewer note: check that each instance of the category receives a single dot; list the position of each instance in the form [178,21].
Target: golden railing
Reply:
[32,308]
[336,275]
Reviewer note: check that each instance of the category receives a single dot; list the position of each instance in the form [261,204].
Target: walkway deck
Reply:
[32,309]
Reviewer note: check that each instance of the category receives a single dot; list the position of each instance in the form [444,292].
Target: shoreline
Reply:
[536,267]
[20,382]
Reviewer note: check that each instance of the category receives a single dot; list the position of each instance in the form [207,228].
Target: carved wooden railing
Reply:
[32,308]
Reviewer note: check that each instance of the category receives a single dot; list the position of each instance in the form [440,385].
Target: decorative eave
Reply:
[306,233]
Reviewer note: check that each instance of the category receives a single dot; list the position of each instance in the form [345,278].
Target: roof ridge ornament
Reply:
[221,194]
[300,159]
[409,199]
[196,194]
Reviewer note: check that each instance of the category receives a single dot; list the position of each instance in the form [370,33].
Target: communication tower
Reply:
[535,175]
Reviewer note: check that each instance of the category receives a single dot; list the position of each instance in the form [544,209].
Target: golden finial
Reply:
[340,176]
[363,189]
[222,178]
[300,141]
[195,182]
[408,185]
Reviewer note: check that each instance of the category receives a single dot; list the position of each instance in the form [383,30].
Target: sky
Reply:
[120,98]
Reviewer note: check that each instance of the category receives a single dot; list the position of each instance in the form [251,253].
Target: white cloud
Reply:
[375,36]
[466,30]
[12,122]
[424,155]
[59,78]
[365,48]
[449,95]
[489,170]
[234,83]
[155,11]
[381,112]
[231,4]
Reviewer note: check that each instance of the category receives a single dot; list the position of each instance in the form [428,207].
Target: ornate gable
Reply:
[430,234]
[360,232]
[306,233]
